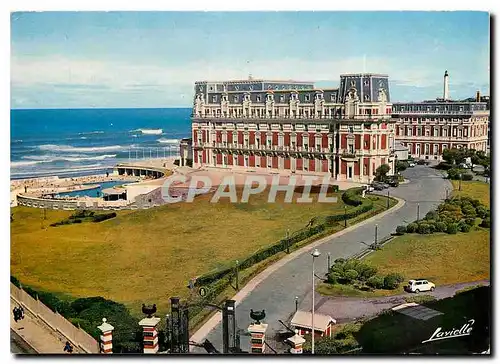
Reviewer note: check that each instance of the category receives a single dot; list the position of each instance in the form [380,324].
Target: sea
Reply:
[76,142]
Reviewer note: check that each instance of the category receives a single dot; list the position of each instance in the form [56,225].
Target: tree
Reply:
[401,166]
[381,172]
[454,155]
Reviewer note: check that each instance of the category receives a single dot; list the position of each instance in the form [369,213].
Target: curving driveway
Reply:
[276,294]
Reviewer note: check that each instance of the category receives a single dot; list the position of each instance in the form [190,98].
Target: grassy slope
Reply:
[475,189]
[149,255]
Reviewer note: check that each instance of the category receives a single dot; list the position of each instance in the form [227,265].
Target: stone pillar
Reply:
[258,335]
[150,334]
[296,342]
[106,337]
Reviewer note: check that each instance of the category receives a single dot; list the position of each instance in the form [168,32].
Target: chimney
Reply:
[446,91]
[478,96]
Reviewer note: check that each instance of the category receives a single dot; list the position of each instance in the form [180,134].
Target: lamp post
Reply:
[328,270]
[288,241]
[418,211]
[460,182]
[376,234]
[296,303]
[388,199]
[314,254]
[345,216]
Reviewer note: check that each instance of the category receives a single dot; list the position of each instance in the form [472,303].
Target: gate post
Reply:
[258,336]
[296,342]
[106,337]
[150,334]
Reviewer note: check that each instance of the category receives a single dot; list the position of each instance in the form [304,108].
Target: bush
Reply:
[401,230]
[335,188]
[411,228]
[481,211]
[15,281]
[102,217]
[454,173]
[469,210]
[423,229]
[444,166]
[352,196]
[392,280]
[486,223]
[431,215]
[463,227]
[350,275]
[452,228]
[376,282]
[367,272]
[467,177]
[440,226]
[470,221]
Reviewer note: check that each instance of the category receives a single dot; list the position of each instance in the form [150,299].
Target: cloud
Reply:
[75,82]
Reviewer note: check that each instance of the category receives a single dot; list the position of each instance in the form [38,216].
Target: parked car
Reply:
[378,186]
[393,182]
[369,188]
[411,164]
[420,285]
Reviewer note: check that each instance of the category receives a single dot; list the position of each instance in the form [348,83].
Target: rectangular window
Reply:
[214,98]
[235,98]
[282,98]
[307,97]
[258,98]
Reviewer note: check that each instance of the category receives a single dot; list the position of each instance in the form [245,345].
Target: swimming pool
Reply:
[95,192]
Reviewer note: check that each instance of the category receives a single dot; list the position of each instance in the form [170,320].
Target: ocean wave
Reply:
[54,172]
[168,141]
[17,141]
[70,158]
[24,163]
[135,136]
[83,137]
[69,148]
[148,131]
[91,132]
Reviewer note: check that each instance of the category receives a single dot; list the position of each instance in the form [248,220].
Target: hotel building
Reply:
[345,132]
[429,127]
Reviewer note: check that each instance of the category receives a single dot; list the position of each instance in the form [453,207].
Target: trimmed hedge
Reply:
[350,197]
[401,230]
[375,282]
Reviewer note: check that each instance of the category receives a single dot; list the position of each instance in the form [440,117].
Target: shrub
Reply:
[423,229]
[401,230]
[376,282]
[431,215]
[469,210]
[353,197]
[392,280]
[470,221]
[467,177]
[444,166]
[463,227]
[411,227]
[440,226]
[335,188]
[15,281]
[454,173]
[367,272]
[481,211]
[452,228]
[426,298]
[350,275]
[102,217]
[486,223]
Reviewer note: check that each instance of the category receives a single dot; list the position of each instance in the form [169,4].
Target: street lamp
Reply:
[314,254]
[418,211]
[296,303]
[388,199]
[328,270]
[460,182]
[376,234]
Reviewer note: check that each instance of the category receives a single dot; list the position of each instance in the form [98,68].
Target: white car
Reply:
[369,188]
[412,164]
[420,285]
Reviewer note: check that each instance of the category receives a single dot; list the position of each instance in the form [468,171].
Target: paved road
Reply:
[276,294]
[345,309]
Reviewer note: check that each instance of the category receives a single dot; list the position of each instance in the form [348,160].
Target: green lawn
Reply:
[475,189]
[441,258]
[148,255]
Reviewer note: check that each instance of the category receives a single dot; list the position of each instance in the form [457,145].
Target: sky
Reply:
[152,59]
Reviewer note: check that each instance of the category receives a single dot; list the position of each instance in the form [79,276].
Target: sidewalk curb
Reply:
[203,331]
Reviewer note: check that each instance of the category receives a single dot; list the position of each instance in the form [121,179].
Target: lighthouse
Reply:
[446,86]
